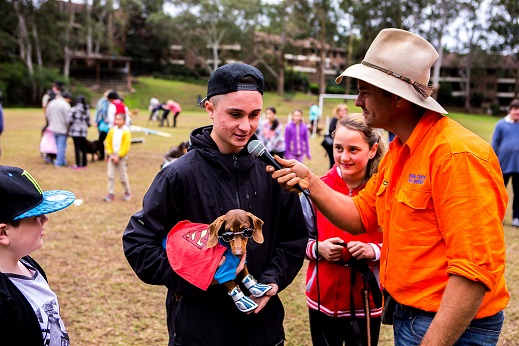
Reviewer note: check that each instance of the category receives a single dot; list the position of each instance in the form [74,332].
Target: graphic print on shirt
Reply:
[197,238]
[416,179]
[54,333]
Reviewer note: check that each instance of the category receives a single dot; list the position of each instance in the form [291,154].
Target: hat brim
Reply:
[53,200]
[391,84]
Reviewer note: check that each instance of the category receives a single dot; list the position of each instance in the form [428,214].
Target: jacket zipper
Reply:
[248,200]
[235,159]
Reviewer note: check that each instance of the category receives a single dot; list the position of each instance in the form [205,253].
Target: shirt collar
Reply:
[420,131]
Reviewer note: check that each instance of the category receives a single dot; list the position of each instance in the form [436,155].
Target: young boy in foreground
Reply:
[29,309]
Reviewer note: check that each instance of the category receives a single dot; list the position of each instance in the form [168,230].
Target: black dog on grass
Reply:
[94,148]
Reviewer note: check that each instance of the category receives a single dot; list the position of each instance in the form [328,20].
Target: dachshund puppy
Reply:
[235,228]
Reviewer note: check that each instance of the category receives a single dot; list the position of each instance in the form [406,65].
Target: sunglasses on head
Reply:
[229,236]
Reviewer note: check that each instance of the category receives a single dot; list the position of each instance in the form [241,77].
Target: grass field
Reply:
[103,302]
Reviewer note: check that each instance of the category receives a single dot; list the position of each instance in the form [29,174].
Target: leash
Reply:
[367,312]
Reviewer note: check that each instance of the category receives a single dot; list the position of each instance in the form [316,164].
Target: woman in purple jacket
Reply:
[296,138]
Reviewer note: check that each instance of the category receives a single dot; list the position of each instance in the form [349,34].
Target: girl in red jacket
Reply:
[336,293]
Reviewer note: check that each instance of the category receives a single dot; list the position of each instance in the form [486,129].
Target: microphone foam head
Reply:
[255,148]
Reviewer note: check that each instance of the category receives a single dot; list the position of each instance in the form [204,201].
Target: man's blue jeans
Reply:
[61,143]
[410,327]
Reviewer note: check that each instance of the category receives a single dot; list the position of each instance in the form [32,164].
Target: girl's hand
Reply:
[330,250]
[361,250]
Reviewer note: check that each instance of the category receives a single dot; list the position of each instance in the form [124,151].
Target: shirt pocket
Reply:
[414,219]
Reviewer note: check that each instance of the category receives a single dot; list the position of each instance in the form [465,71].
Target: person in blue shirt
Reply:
[505,142]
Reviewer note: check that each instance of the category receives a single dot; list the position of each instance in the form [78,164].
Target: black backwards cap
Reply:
[227,79]
[21,196]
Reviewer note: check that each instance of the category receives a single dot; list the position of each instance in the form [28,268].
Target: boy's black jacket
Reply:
[19,325]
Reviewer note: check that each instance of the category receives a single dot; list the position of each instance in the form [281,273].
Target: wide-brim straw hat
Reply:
[400,62]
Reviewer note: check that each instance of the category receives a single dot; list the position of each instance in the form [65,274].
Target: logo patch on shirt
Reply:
[416,178]
[197,238]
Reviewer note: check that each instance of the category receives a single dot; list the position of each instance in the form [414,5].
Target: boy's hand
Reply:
[262,301]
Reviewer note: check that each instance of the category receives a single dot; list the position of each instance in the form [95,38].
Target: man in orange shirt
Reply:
[438,198]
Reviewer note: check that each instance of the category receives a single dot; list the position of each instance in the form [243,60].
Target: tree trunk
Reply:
[23,39]
[467,82]
[438,63]
[66,50]
[37,45]
[110,28]
[281,60]
[322,74]
[89,44]
[348,61]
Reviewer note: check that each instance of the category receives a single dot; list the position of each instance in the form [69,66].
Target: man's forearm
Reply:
[337,207]
[460,303]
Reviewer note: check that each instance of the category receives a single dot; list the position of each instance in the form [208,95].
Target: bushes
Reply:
[296,81]
[182,73]
[20,89]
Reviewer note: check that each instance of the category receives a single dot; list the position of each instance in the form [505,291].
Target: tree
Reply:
[205,26]
[471,29]
[439,16]
[279,24]
[504,22]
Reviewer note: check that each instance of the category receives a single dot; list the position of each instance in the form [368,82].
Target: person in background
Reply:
[116,106]
[339,112]
[102,121]
[505,142]
[314,115]
[56,113]
[438,198]
[335,292]
[270,133]
[56,89]
[118,142]
[154,107]
[79,121]
[174,153]
[297,138]
[170,106]
[218,174]
[30,313]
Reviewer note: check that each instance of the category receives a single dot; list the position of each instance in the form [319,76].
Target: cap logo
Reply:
[57,198]
[32,180]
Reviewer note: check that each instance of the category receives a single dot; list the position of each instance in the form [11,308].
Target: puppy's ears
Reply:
[258,233]
[213,231]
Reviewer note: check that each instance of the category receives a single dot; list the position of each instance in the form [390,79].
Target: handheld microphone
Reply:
[257,149]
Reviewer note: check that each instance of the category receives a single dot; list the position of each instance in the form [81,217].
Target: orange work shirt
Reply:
[439,200]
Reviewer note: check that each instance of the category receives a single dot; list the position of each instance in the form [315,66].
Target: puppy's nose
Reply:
[238,247]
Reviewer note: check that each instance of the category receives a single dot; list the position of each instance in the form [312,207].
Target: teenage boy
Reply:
[29,309]
[216,175]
